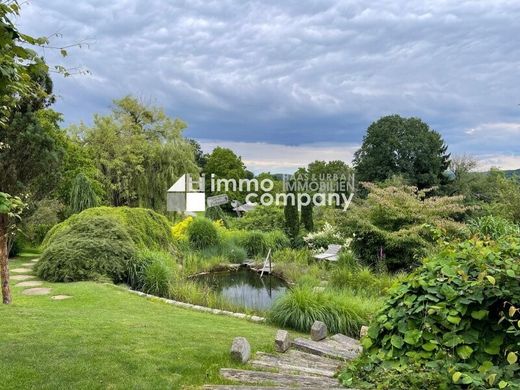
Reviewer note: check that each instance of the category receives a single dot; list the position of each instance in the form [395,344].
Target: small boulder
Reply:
[318,331]
[363,332]
[282,341]
[240,349]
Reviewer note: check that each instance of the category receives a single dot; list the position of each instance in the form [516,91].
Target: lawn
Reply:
[105,337]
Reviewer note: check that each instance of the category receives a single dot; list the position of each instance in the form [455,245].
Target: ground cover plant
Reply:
[455,318]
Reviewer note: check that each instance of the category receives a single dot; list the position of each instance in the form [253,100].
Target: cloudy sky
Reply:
[287,82]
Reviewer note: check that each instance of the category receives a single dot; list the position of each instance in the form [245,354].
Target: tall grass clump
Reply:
[202,233]
[152,272]
[342,311]
[362,279]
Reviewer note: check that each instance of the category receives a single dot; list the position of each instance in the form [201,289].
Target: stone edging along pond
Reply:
[205,309]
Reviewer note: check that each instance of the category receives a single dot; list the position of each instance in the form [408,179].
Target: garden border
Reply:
[253,318]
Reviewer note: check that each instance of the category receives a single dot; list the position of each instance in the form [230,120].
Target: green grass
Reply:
[106,337]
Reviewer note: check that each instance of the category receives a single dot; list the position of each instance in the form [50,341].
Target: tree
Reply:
[292,220]
[307,217]
[225,164]
[402,146]
[200,156]
[139,151]
[82,194]
[10,209]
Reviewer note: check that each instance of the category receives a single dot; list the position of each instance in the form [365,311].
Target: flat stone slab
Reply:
[37,291]
[28,265]
[257,377]
[30,283]
[329,348]
[35,260]
[61,297]
[21,277]
[297,362]
[21,270]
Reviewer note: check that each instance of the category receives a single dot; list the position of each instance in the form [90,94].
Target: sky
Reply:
[283,83]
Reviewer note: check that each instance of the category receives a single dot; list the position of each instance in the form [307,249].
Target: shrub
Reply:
[341,311]
[456,314]
[147,229]
[255,244]
[277,240]
[46,214]
[88,248]
[16,247]
[362,280]
[202,233]
[323,238]
[180,229]
[263,218]
[394,224]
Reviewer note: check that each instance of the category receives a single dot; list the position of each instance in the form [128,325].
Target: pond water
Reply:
[245,287]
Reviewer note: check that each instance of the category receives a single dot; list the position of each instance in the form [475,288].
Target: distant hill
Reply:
[512,172]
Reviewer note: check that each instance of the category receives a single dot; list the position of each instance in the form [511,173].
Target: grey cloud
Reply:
[296,72]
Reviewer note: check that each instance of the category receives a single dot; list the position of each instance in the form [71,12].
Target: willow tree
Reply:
[140,152]
[82,194]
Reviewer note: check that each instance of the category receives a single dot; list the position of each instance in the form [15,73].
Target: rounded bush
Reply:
[234,253]
[89,249]
[458,314]
[146,228]
[202,233]
[255,243]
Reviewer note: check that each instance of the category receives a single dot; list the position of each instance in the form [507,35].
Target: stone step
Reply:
[330,348]
[294,361]
[278,379]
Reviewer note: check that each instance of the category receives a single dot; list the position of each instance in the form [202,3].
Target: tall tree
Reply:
[140,152]
[402,146]
[24,88]
[225,164]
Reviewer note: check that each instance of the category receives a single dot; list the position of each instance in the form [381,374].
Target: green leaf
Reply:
[456,376]
[397,341]
[512,358]
[454,319]
[502,384]
[491,279]
[412,337]
[464,351]
[429,347]
[479,314]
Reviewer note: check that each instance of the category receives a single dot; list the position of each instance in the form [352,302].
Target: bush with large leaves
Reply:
[456,315]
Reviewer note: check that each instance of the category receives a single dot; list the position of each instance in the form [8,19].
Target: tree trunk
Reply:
[4,260]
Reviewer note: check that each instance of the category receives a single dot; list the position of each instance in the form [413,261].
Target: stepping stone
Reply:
[21,270]
[297,362]
[21,277]
[35,260]
[30,283]
[257,377]
[60,297]
[28,265]
[36,291]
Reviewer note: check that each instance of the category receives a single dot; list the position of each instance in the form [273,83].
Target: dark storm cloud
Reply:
[297,72]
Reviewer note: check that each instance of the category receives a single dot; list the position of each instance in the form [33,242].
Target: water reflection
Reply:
[245,287]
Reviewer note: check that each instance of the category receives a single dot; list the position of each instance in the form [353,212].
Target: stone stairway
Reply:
[303,364]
